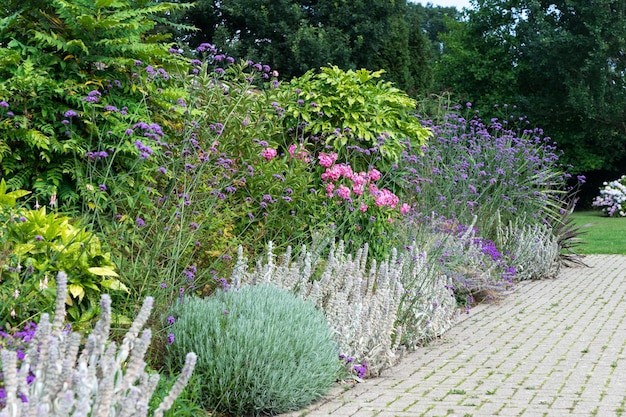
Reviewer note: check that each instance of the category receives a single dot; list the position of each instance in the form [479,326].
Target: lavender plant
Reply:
[612,198]
[56,378]
[475,265]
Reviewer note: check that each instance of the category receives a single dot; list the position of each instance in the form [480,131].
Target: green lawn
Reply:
[600,234]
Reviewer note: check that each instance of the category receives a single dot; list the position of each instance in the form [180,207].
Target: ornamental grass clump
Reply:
[57,378]
[612,198]
[260,349]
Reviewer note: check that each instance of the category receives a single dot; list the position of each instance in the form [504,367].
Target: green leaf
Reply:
[121,319]
[104,3]
[113,284]
[76,291]
[23,248]
[103,271]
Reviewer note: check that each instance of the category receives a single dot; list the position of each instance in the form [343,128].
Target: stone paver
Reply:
[552,348]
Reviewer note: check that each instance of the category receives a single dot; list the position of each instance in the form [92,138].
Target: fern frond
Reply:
[49,40]
[18,181]
[4,150]
[37,139]
[53,174]
[5,22]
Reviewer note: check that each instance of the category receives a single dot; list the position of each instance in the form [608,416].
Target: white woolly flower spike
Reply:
[99,382]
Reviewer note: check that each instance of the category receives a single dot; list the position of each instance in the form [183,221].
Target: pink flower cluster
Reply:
[269,153]
[358,183]
[298,153]
[326,160]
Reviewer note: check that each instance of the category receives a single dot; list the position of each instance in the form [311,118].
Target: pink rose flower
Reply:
[343,192]
[269,153]
[374,174]
[327,160]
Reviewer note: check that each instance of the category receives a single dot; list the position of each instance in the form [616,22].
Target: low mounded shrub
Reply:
[260,349]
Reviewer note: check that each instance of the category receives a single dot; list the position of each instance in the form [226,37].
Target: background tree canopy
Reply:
[294,36]
[562,62]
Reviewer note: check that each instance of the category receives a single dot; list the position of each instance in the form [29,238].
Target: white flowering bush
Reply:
[612,198]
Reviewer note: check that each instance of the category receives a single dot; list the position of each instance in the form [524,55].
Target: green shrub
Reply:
[260,349]
[62,59]
[37,244]
[356,109]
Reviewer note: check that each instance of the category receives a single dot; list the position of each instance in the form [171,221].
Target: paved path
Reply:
[552,348]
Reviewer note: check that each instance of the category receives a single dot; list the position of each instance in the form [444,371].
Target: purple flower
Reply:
[140,222]
[170,338]
[361,370]
[171,320]
[162,170]
[4,104]
[102,187]
[144,150]
[38,238]
[193,225]
[92,97]
[70,113]
[163,285]
[206,47]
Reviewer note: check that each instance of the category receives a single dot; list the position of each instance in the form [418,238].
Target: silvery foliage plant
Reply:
[361,302]
[534,248]
[101,379]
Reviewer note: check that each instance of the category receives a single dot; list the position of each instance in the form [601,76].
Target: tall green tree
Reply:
[293,36]
[562,62]
[432,21]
